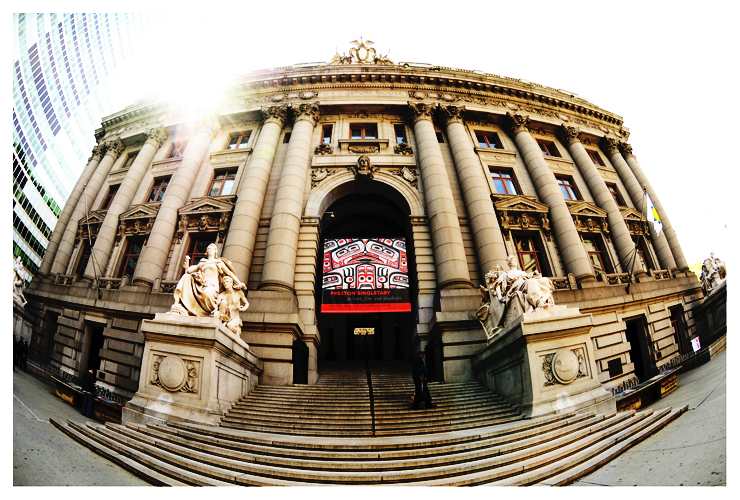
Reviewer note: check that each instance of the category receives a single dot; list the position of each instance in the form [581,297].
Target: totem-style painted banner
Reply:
[365,275]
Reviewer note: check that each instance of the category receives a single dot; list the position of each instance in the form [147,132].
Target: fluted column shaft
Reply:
[121,202]
[69,208]
[278,272]
[610,146]
[154,255]
[84,204]
[449,252]
[239,244]
[620,234]
[670,234]
[572,252]
[489,242]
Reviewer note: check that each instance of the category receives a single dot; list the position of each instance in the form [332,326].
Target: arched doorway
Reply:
[373,210]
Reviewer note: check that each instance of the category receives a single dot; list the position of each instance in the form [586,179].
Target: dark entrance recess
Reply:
[370,210]
[96,344]
[300,362]
[679,327]
[641,351]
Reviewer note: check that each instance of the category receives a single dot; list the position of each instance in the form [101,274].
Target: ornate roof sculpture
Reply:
[361,53]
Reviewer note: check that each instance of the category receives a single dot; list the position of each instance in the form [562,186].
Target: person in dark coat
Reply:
[16,352]
[24,354]
[419,375]
[88,389]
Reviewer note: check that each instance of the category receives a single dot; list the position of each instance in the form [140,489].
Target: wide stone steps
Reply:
[552,450]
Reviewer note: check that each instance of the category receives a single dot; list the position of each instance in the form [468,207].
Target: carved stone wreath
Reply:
[324,149]
[564,366]
[174,374]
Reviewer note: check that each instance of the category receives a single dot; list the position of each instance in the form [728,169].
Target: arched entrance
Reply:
[367,209]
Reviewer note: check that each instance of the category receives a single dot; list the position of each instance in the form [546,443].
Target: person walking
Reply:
[88,389]
[421,386]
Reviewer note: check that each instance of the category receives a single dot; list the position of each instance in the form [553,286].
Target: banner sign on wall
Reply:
[365,275]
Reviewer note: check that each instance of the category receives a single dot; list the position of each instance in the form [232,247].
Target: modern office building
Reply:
[63,83]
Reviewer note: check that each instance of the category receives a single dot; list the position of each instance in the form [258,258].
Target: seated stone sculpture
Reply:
[713,274]
[530,291]
[198,290]
[228,304]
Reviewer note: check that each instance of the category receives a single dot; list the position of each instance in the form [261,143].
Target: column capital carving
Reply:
[569,134]
[421,111]
[626,149]
[157,135]
[307,111]
[97,152]
[610,145]
[277,114]
[517,123]
[114,147]
[210,123]
[451,114]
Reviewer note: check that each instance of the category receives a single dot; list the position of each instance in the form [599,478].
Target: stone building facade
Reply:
[468,167]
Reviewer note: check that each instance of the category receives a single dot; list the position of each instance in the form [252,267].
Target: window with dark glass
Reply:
[112,190]
[440,137]
[198,244]
[595,157]
[178,149]
[548,148]
[400,131]
[130,159]
[503,181]
[84,258]
[286,138]
[488,140]
[222,183]
[363,131]
[157,192]
[238,141]
[131,257]
[527,253]
[593,248]
[641,257]
[326,133]
[568,187]
[615,194]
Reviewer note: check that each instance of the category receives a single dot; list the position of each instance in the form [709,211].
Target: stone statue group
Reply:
[211,288]
[508,294]
[713,274]
[19,283]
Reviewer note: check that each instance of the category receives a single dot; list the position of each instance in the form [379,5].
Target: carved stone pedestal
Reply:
[193,370]
[544,363]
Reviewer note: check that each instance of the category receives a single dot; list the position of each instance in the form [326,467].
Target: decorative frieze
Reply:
[207,214]
[519,212]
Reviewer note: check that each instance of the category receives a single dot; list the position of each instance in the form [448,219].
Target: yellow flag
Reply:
[652,215]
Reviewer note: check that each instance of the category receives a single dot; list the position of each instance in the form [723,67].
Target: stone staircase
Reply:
[335,433]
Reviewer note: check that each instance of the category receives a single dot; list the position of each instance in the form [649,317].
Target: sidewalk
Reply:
[692,450]
[42,455]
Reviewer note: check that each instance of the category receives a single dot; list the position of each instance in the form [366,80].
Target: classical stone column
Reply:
[449,252]
[572,252]
[121,202]
[610,146]
[69,208]
[597,186]
[670,234]
[489,242]
[278,272]
[154,255]
[90,192]
[239,244]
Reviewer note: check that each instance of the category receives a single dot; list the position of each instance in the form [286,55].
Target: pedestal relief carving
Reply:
[174,374]
[564,366]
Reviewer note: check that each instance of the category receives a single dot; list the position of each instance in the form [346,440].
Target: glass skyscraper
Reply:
[63,84]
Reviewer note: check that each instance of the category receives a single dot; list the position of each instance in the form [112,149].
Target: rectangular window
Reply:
[130,159]
[112,190]
[527,253]
[157,192]
[178,149]
[222,183]
[440,137]
[504,181]
[286,138]
[594,255]
[131,257]
[641,257]
[363,131]
[198,244]
[84,259]
[400,131]
[326,131]
[488,140]
[615,194]
[568,187]
[238,141]
[595,157]
[548,148]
